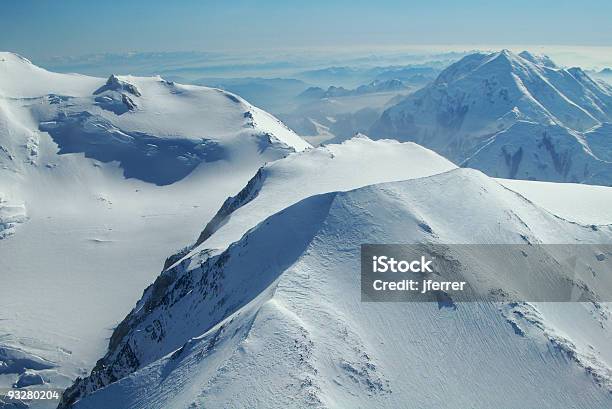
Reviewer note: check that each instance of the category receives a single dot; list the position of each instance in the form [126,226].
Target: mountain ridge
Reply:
[308,270]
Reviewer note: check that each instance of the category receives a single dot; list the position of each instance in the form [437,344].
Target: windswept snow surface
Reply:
[275,320]
[22,79]
[511,116]
[575,202]
[100,179]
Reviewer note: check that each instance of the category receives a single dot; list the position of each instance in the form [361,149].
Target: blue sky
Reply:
[40,29]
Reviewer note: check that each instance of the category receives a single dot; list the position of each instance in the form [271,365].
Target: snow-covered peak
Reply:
[115,84]
[501,64]
[354,163]
[159,131]
[504,55]
[482,95]
[504,62]
[166,108]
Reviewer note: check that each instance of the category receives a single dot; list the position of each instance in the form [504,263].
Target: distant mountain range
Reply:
[391,85]
[272,94]
[352,76]
[604,74]
[516,116]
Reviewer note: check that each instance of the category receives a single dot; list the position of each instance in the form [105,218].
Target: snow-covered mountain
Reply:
[267,299]
[100,179]
[277,313]
[514,116]
[157,130]
[279,184]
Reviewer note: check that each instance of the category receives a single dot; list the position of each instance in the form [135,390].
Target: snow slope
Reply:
[531,151]
[22,79]
[579,203]
[278,314]
[100,179]
[512,116]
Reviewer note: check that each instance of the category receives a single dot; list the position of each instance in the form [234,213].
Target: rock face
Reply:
[29,378]
[11,214]
[115,84]
[113,96]
[488,107]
